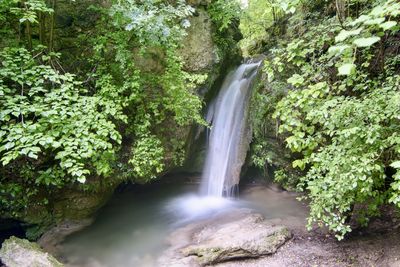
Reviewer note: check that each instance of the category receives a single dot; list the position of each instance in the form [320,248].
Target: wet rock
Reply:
[248,238]
[227,236]
[67,204]
[16,252]
[52,239]
[76,204]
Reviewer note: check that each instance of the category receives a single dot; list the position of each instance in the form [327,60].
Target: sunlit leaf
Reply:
[347,69]
[366,42]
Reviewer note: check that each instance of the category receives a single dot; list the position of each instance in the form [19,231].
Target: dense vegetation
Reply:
[90,91]
[332,86]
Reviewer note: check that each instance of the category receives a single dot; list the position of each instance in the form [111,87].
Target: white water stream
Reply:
[229,136]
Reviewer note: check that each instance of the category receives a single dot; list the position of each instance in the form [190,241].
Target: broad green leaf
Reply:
[298,163]
[366,42]
[374,21]
[9,145]
[33,155]
[347,69]
[395,164]
[81,179]
[338,49]
[388,25]
[378,11]
[296,80]
[343,35]
[360,19]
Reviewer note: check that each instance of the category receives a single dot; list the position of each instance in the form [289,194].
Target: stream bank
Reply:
[116,238]
[315,249]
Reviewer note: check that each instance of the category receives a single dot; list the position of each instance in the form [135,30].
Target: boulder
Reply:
[224,237]
[16,252]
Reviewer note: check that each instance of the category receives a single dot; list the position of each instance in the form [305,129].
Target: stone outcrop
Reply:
[199,53]
[16,252]
[224,237]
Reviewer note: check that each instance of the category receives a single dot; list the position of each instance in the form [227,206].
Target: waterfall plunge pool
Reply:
[130,231]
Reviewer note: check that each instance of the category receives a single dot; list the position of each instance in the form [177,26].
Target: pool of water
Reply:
[130,230]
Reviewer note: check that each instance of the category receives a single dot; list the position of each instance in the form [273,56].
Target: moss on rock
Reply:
[16,252]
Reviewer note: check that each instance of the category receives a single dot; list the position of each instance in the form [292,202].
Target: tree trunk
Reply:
[29,35]
[42,28]
[341,10]
[52,22]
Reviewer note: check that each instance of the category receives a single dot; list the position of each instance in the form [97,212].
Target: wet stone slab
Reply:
[241,233]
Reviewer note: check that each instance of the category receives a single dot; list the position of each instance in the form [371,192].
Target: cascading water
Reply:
[228,140]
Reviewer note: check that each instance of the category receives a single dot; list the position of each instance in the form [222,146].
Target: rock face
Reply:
[16,252]
[52,239]
[224,237]
[199,51]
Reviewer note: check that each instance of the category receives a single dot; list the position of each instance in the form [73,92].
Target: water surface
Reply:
[130,230]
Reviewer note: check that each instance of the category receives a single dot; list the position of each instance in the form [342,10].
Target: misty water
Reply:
[131,229]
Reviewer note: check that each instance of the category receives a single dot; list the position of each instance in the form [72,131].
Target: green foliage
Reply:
[27,11]
[348,153]
[340,119]
[254,23]
[147,157]
[180,97]
[150,96]
[261,116]
[60,129]
[224,13]
[364,32]
[21,20]
[45,113]
[154,22]
[51,132]
[262,21]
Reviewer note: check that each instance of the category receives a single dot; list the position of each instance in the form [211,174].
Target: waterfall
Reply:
[228,138]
